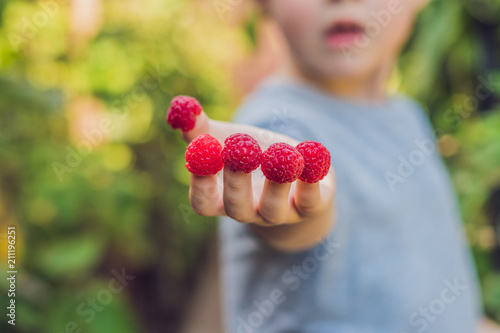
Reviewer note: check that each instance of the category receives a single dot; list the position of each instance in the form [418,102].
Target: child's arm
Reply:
[289,217]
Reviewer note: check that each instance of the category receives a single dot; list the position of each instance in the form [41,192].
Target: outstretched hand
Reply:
[302,213]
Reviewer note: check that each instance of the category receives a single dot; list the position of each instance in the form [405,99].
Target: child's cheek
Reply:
[294,8]
[295,16]
[394,18]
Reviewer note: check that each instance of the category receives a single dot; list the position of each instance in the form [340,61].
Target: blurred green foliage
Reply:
[454,52]
[89,205]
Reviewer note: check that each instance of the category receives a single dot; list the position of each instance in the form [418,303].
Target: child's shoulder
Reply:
[279,100]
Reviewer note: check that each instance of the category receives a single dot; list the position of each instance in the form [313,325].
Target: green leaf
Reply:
[70,256]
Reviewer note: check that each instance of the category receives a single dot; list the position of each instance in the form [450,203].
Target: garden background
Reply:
[94,180]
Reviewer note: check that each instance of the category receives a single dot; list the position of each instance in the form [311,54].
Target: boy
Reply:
[363,250]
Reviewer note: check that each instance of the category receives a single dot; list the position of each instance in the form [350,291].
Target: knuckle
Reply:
[199,211]
[306,208]
[230,201]
[199,206]
[238,214]
[242,218]
[274,220]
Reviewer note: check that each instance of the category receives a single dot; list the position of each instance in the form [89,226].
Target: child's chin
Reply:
[340,66]
[346,69]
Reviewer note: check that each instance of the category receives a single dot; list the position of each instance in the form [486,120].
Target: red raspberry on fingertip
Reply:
[183,112]
[241,153]
[317,161]
[282,163]
[203,156]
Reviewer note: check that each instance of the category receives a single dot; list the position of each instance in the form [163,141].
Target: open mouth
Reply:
[344,33]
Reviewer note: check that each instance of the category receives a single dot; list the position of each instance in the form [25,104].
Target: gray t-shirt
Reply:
[397,260]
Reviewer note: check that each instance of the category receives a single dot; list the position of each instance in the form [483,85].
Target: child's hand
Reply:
[301,213]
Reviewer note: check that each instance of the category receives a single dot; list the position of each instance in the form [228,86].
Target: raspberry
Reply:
[317,161]
[282,163]
[203,156]
[241,153]
[182,113]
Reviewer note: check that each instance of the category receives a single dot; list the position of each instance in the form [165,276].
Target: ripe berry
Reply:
[203,156]
[317,161]
[182,113]
[282,163]
[241,153]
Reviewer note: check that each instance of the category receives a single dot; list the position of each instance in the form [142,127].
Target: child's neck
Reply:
[369,88]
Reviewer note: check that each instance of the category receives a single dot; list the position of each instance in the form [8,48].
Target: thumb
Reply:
[186,113]
[202,126]
[218,129]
